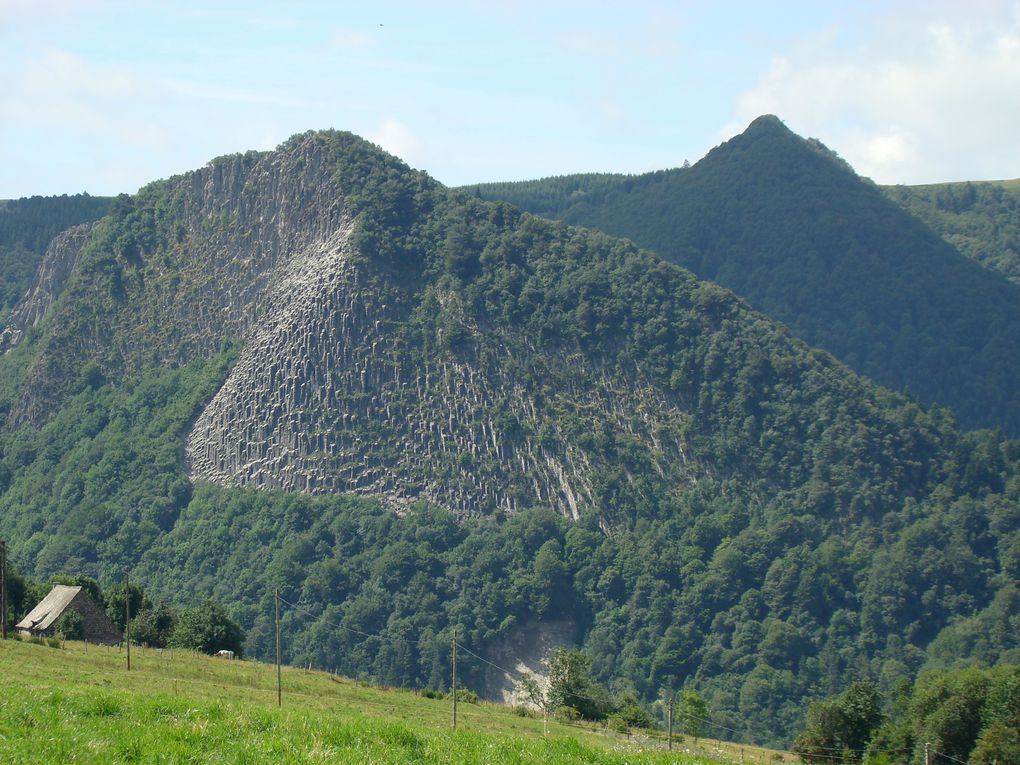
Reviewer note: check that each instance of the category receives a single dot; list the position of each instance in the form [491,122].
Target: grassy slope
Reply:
[83,706]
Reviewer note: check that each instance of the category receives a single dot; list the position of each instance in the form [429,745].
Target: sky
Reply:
[104,96]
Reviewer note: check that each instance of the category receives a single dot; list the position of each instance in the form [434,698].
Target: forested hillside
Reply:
[787,225]
[27,226]
[411,410]
[982,220]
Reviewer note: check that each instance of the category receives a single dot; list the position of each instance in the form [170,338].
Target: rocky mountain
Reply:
[408,409]
[789,226]
[27,226]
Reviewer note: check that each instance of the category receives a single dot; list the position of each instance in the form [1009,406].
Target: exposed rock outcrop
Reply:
[525,651]
[331,391]
[326,397]
[51,276]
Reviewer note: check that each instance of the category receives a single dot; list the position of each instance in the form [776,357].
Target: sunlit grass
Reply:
[73,705]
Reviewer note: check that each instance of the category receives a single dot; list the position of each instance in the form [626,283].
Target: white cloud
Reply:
[350,39]
[63,90]
[207,91]
[59,72]
[34,11]
[396,138]
[655,35]
[929,103]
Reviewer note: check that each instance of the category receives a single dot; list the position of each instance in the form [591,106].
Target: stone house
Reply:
[41,620]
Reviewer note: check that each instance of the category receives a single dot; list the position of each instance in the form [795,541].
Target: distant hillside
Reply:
[27,226]
[412,411]
[788,226]
[980,219]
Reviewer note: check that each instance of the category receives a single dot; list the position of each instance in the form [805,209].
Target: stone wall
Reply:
[96,625]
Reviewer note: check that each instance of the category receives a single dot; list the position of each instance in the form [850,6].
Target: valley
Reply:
[417,412]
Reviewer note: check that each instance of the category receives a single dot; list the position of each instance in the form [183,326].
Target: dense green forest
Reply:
[26,228]
[787,225]
[968,715]
[980,219]
[823,529]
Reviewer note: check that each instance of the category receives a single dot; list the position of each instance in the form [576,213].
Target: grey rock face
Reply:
[331,391]
[325,398]
[232,224]
[51,276]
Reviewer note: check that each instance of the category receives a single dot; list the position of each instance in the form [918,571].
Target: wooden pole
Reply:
[127,618]
[669,734]
[279,675]
[454,684]
[3,590]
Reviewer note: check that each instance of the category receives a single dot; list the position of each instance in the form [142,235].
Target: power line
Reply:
[948,757]
[460,646]
[338,625]
[465,649]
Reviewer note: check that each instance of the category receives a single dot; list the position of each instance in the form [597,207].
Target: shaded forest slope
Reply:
[789,226]
[980,219]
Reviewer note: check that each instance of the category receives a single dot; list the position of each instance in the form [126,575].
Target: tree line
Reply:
[206,627]
[968,715]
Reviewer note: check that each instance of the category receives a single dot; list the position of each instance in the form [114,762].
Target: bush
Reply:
[208,628]
[632,713]
[153,627]
[567,714]
[571,685]
[618,724]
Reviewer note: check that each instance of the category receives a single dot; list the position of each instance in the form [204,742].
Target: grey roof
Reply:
[49,609]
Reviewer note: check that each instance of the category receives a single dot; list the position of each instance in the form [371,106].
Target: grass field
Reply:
[81,705]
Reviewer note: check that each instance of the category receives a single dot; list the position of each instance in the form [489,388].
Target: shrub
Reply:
[618,724]
[207,628]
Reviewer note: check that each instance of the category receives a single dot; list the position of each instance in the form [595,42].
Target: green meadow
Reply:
[80,704]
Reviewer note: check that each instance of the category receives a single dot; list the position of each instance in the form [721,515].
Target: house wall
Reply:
[96,626]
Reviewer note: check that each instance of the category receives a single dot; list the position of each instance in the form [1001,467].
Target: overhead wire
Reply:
[338,625]
[519,675]
[949,757]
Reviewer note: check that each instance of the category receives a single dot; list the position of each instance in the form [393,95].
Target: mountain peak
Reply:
[784,222]
[769,123]
[766,133]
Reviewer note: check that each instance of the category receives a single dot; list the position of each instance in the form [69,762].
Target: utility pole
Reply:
[454,684]
[669,714]
[927,753]
[279,676]
[3,590]
[127,617]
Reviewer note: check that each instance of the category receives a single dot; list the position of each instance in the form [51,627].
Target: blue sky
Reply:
[106,96]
